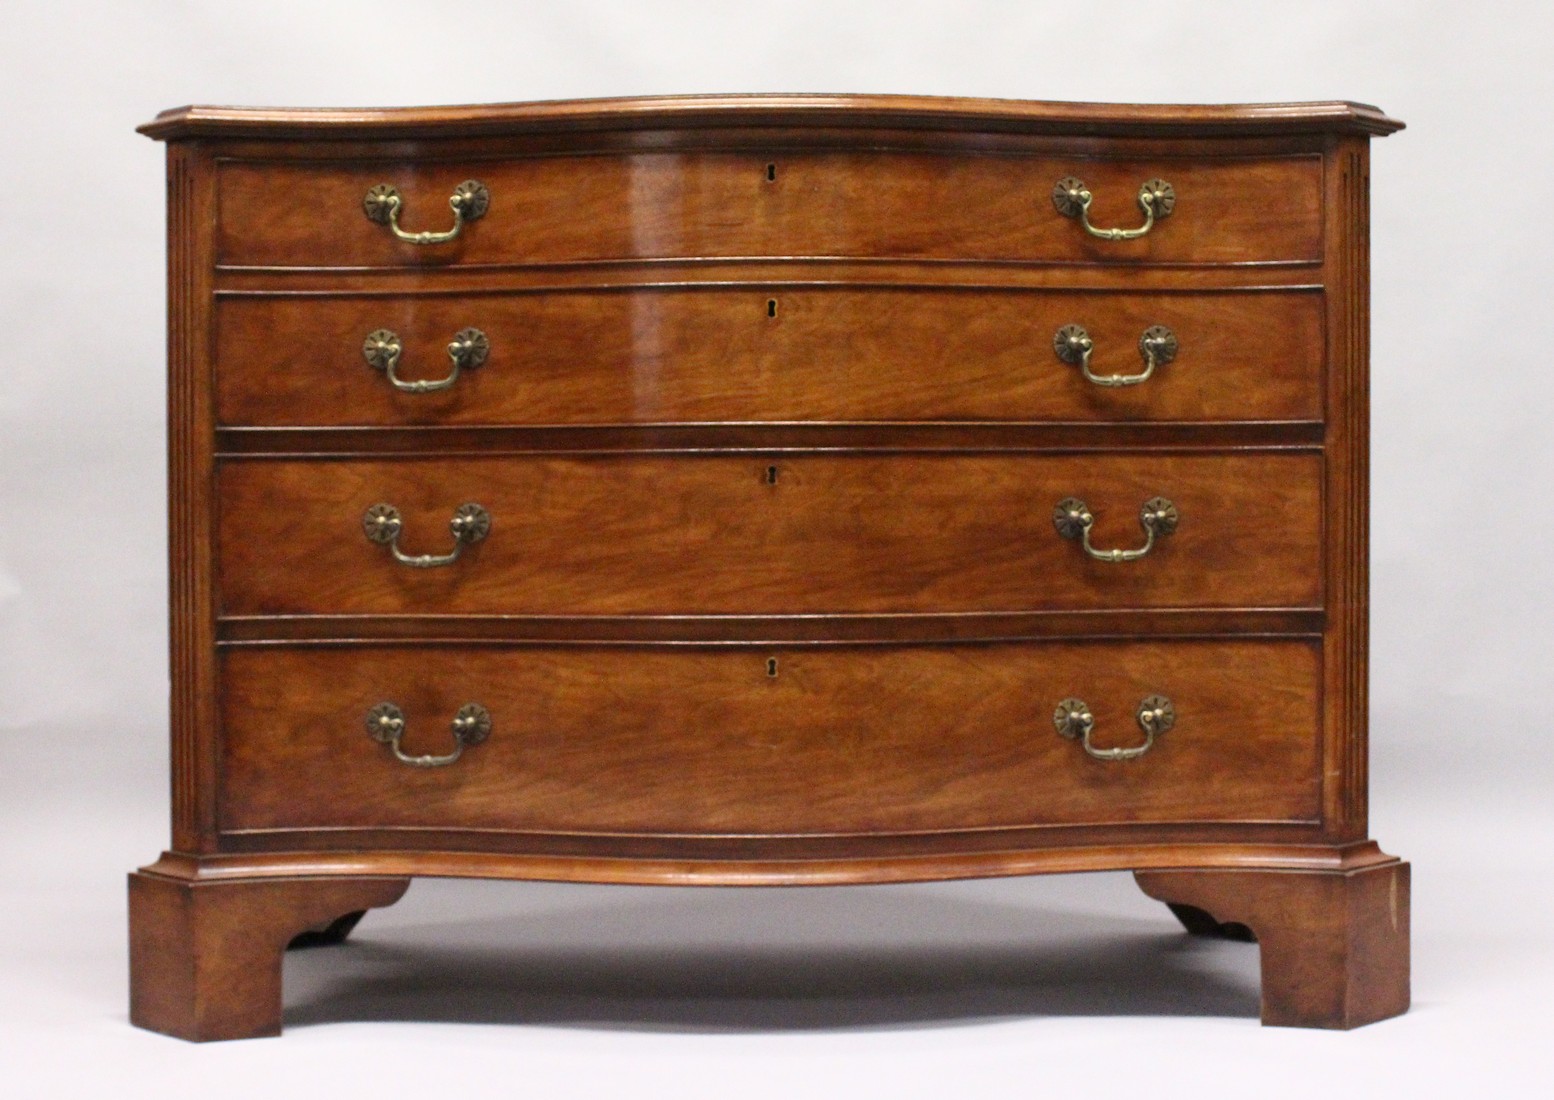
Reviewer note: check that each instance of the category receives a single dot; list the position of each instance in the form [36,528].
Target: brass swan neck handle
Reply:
[383,204]
[1073,519]
[471,725]
[1155,715]
[382,524]
[467,350]
[1072,198]
[1157,346]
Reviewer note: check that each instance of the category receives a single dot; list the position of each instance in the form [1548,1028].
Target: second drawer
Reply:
[709,355]
[807,533]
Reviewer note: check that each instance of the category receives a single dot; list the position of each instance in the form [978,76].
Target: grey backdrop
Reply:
[1463,516]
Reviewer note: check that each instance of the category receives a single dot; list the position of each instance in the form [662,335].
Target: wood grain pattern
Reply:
[771,434]
[611,535]
[1335,945]
[205,958]
[771,354]
[842,740]
[567,209]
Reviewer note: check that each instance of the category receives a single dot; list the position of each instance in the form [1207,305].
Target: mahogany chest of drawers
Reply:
[767,490]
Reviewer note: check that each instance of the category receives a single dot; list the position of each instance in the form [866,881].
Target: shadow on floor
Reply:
[718,961]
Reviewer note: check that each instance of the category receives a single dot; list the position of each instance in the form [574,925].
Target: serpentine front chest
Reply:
[767,490]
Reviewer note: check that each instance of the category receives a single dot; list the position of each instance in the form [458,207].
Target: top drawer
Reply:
[711,205]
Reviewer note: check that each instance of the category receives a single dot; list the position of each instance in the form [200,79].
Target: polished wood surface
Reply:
[1334,944]
[205,959]
[771,381]
[595,117]
[770,273]
[769,740]
[771,861]
[191,507]
[876,205]
[779,534]
[1346,494]
[722,354]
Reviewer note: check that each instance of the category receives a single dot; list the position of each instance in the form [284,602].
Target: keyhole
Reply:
[771,173]
[771,475]
[771,307]
[771,667]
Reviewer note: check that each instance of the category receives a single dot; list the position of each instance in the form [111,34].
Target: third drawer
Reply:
[786,533]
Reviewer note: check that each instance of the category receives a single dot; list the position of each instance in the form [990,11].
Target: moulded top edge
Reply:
[657,112]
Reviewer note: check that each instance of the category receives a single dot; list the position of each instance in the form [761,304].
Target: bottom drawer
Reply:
[764,741]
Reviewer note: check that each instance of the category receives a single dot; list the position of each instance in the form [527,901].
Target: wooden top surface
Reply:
[659,112]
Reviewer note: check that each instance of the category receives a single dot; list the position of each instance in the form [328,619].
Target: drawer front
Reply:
[576,209]
[709,741]
[753,354]
[786,534]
